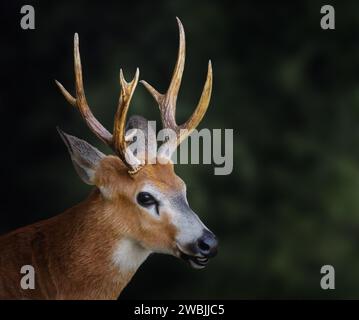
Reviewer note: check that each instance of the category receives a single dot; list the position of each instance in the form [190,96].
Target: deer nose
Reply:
[207,244]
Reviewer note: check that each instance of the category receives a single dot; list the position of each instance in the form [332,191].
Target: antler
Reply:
[167,101]
[119,128]
[117,141]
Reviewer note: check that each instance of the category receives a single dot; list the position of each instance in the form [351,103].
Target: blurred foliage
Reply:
[288,89]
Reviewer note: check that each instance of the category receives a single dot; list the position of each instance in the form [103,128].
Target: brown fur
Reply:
[72,252]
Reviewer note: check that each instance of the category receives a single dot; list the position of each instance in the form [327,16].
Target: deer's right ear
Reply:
[84,156]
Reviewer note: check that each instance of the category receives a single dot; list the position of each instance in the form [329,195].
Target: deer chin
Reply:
[195,261]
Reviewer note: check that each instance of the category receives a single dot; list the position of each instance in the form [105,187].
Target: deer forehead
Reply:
[161,180]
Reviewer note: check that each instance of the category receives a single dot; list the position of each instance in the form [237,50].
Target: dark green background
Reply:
[288,89]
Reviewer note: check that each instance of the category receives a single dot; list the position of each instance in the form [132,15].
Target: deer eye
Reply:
[145,199]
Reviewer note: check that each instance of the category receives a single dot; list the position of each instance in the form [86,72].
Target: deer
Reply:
[136,208]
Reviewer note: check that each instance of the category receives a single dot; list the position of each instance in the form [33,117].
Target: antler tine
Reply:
[167,102]
[69,98]
[80,101]
[175,84]
[127,90]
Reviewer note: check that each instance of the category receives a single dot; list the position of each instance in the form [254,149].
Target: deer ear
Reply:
[84,156]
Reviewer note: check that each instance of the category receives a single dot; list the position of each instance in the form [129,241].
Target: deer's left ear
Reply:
[84,156]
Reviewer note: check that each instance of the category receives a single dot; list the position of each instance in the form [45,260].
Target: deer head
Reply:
[147,202]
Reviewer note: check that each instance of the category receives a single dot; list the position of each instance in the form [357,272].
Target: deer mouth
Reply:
[194,261]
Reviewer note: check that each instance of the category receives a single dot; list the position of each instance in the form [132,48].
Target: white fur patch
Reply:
[106,192]
[129,255]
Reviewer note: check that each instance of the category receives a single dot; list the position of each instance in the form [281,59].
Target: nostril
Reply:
[204,247]
[207,244]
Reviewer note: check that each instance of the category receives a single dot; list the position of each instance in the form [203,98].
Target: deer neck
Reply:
[97,259]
